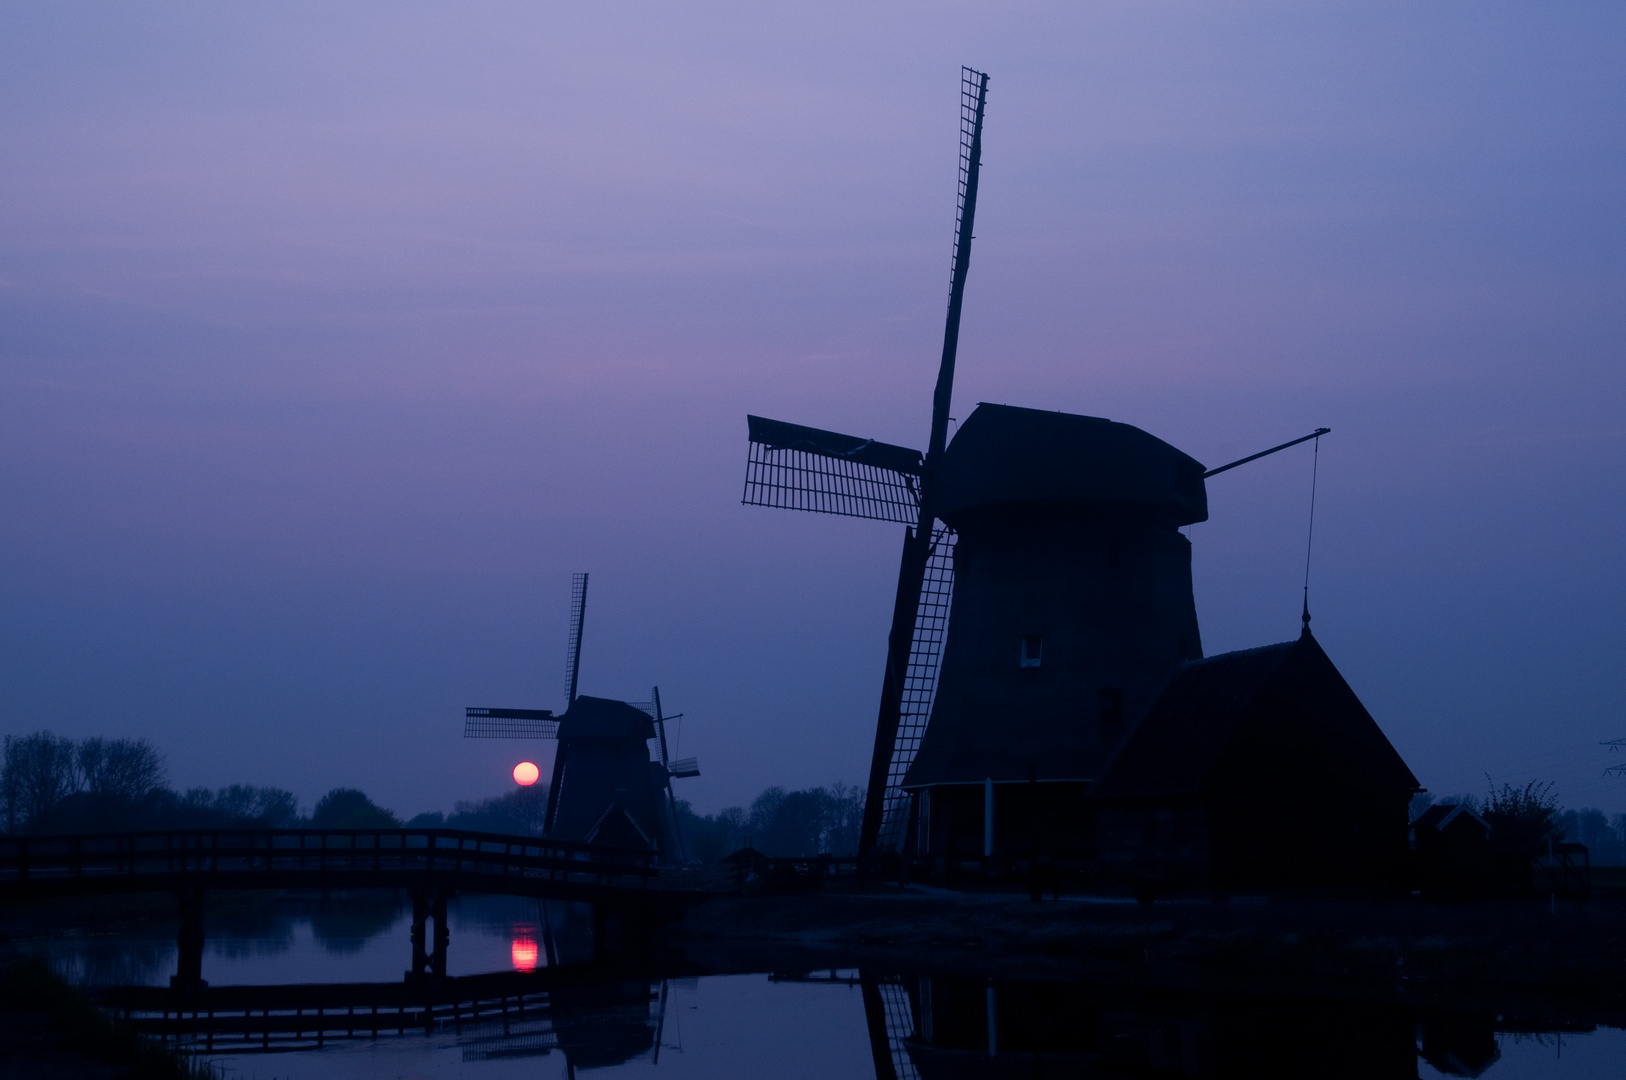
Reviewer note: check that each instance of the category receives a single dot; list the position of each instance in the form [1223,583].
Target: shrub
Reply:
[347,808]
[1521,817]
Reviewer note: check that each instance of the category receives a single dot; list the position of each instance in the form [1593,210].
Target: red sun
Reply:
[526,773]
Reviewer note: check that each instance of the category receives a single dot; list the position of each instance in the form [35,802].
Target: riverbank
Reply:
[52,1031]
[1534,948]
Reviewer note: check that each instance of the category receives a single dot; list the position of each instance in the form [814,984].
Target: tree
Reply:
[1521,818]
[792,824]
[347,808]
[521,812]
[120,768]
[40,771]
[270,807]
[843,818]
[707,839]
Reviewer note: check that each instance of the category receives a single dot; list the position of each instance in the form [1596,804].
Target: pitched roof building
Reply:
[1257,768]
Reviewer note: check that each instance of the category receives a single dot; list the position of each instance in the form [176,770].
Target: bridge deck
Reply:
[325,858]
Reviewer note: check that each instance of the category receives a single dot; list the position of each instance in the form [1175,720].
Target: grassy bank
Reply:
[50,1029]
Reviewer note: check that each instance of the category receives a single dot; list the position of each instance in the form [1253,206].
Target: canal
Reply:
[313,986]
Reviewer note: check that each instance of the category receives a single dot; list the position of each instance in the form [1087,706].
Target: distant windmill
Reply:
[605,788]
[804,468]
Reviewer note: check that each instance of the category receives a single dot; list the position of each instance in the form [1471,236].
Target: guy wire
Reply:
[1309,539]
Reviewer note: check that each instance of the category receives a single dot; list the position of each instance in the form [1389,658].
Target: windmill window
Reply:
[1032,650]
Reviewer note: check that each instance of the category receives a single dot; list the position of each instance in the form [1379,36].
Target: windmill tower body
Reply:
[1072,607]
[609,791]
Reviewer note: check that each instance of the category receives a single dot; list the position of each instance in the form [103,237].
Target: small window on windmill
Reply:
[1032,650]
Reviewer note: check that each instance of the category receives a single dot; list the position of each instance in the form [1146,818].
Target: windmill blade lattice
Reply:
[488,723]
[801,468]
[573,646]
[920,679]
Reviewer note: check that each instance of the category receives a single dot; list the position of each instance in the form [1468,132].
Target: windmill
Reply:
[605,789]
[1077,602]
[805,468]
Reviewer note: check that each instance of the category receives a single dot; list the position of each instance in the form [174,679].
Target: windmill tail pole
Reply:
[1316,434]
[918,546]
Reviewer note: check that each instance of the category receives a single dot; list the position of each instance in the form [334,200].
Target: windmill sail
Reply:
[573,660]
[573,646]
[883,800]
[488,723]
[691,768]
[803,468]
[919,680]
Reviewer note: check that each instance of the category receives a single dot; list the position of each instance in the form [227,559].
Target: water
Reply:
[568,1016]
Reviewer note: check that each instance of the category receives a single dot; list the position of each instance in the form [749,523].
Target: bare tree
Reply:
[120,768]
[843,817]
[243,803]
[40,771]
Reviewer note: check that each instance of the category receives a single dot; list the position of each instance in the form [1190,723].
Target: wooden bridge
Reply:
[624,886]
[320,859]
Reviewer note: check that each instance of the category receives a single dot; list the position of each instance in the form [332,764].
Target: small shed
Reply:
[1451,849]
[1450,827]
[1257,769]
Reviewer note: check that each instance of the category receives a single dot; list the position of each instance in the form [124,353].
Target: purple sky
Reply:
[333,338]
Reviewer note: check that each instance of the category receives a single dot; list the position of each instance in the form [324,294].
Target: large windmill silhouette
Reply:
[1033,526]
[605,789]
[805,468]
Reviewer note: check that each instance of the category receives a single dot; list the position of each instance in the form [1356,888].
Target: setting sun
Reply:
[526,774]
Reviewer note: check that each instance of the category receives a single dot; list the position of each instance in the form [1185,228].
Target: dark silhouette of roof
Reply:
[1257,712]
[1441,816]
[1003,454]
[616,827]
[593,717]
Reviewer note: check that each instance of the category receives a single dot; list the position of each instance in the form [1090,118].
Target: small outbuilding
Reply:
[1451,845]
[1256,769]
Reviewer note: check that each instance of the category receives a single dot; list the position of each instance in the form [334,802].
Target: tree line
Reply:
[793,824]
[52,784]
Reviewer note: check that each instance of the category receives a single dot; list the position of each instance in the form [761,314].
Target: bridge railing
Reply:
[202,854]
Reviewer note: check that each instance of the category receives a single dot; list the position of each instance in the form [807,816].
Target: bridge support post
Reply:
[429,905]
[189,941]
[443,934]
[622,930]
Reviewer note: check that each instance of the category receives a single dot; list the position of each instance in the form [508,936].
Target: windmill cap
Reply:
[602,718]
[1003,454]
